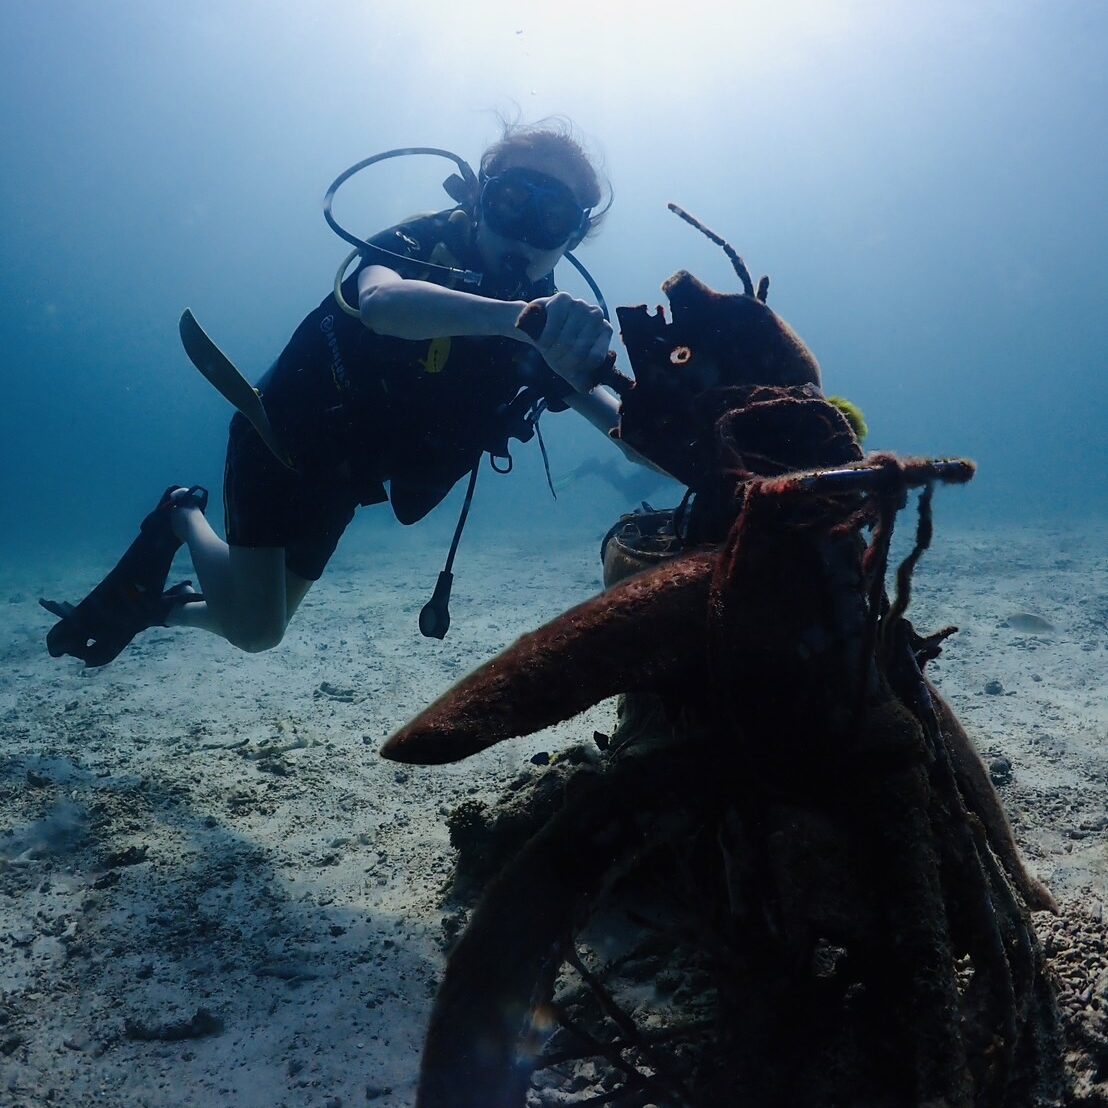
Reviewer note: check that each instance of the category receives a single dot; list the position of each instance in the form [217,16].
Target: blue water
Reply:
[925,188]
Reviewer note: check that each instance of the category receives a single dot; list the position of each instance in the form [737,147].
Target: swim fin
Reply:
[131,598]
[220,371]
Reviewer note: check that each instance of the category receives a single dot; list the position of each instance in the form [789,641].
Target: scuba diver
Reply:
[408,373]
[634,485]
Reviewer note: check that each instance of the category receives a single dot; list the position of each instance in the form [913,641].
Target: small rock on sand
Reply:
[1028,622]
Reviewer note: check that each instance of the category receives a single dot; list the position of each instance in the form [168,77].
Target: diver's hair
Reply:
[555,137]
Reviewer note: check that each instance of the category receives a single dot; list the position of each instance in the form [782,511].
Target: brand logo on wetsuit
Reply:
[338,369]
[437,354]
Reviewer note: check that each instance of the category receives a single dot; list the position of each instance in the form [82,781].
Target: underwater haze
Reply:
[925,186]
[214,889]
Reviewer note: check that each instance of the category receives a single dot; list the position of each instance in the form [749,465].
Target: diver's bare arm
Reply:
[409,309]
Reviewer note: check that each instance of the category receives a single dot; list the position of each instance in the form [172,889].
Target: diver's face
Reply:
[503,255]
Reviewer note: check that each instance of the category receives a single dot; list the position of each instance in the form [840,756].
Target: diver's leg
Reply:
[252,634]
[296,588]
[248,594]
[211,560]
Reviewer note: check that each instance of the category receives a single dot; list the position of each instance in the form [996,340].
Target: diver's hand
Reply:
[574,339]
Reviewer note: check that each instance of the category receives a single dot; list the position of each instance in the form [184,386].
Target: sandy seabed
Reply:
[213,891]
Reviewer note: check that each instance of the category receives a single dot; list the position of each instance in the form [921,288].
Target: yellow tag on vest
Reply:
[437,353]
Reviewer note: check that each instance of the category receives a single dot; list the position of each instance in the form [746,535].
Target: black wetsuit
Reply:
[355,409]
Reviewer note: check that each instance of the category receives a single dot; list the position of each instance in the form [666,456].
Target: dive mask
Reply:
[534,208]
